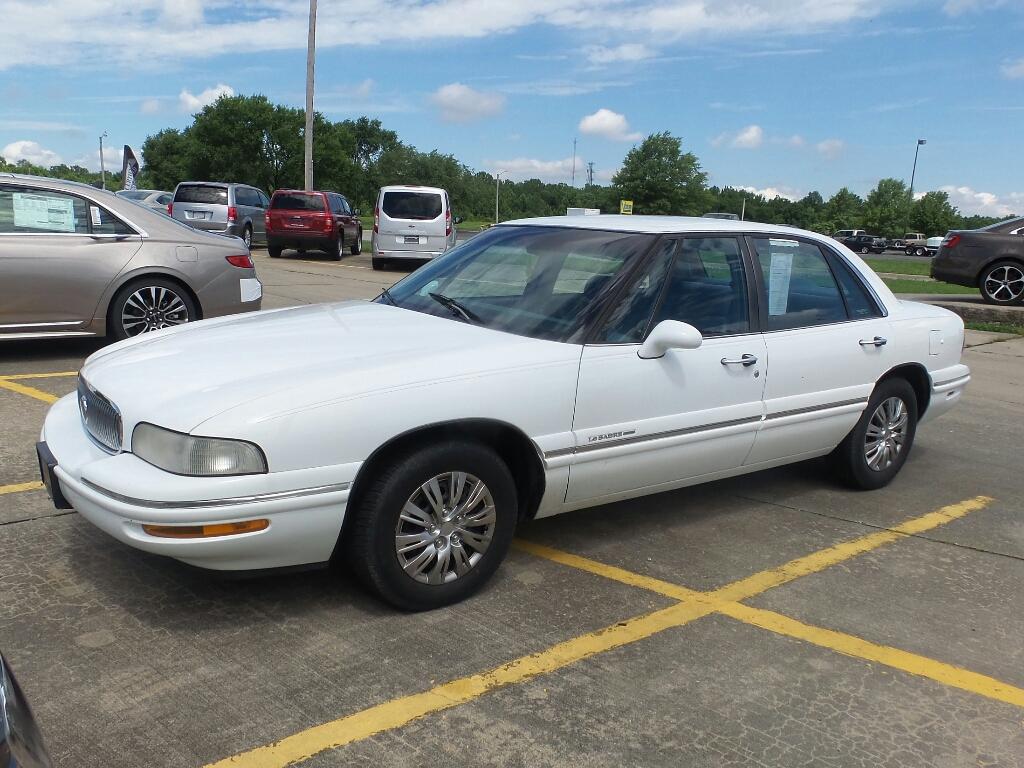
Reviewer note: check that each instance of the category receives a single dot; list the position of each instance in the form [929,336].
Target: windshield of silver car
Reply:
[543,282]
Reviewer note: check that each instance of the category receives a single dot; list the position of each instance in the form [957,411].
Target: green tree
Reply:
[933,214]
[662,179]
[844,210]
[165,159]
[886,208]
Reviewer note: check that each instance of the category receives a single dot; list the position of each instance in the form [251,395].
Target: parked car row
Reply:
[858,241]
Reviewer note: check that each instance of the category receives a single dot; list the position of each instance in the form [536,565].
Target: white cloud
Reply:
[190,102]
[573,87]
[957,7]
[545,170]
[770,193]
[39,125]
[1013,69]
[750,137]
[598,54]
[150,106]
[796,140]
[830,149]
[31,151]
[970,201]
[113,157]
[609,125]
[459,103]
[364,89]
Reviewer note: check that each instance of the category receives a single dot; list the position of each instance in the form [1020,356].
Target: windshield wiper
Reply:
[456,307]
[387,295]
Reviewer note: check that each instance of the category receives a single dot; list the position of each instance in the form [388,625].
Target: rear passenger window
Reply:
[801,290]
[859,302]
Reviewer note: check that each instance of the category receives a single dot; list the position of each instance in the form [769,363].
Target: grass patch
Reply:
[923,286]
[470,225]
[896,267]
[1015,328]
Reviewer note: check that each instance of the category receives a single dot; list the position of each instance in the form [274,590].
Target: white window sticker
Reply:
[778,282]
[94,212]
[34,211]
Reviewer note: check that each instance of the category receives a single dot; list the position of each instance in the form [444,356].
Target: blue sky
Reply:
[783,96]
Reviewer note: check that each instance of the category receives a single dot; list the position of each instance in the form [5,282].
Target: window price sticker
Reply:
[780,272]
[52,214]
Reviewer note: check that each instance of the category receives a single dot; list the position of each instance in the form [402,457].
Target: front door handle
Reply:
[878,341]
[746,361]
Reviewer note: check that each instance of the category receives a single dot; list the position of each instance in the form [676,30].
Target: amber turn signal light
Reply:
[205,531]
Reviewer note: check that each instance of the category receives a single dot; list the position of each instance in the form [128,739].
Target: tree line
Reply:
[248,139]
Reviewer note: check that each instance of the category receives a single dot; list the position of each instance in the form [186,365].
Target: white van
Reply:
[412,223]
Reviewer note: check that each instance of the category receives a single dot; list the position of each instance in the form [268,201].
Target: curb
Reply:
[981,313]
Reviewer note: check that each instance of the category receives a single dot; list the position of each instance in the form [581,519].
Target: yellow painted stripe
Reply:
[398,712]
[21,389]
[849,645]
[35,485]
[21,376]
[825,558]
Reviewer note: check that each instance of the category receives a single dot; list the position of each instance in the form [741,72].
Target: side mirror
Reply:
[458,219]
[356,212]
[669,334]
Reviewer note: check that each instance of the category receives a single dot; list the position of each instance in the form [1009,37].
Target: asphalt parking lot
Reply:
[771,620]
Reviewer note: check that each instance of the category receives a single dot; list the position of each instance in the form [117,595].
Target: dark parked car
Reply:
[316,221]
[21,745]
[865,243]
[990,259]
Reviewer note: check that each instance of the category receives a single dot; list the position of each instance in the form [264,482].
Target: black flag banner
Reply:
[130,169]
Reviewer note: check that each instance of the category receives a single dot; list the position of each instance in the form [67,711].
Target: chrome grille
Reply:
[101,418]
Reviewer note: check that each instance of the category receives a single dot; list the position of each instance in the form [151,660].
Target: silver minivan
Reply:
[227,209]
[412,223]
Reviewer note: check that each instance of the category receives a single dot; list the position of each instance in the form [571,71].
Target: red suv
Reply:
[316,221]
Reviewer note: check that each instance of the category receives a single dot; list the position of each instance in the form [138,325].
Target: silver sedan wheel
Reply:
[886,434]
[1005,283]
[445,528]
[151,308]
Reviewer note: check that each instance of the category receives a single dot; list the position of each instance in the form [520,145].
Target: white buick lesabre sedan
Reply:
[544,366]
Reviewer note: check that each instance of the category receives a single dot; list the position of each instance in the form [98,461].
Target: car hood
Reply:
[295,358]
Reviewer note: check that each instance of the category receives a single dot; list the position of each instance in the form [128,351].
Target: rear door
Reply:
[250,209]
[298,213]
[203,206]
[411,220]
[58,254]
[348,218]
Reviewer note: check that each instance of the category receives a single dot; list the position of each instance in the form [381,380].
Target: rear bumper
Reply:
[948,387]
[231,230]
[313,240]
[950,268]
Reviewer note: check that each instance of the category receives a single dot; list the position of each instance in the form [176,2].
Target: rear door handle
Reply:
[746,361]
[878,341]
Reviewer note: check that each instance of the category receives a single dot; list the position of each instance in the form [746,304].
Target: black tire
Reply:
[247,236]
[850,458]
[909,250]
[357,247]
[274,251]
[919,251]
[370,538]
[116,326]
[336,247]
[378,263]
[1002,283]
[864,249]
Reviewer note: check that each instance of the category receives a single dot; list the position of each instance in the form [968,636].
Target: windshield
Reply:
[542,282]
[298,201]
[418,206]
[200,193]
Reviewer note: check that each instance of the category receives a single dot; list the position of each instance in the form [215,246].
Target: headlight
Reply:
[196,456]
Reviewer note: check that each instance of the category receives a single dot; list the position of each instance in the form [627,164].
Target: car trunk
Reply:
[298,213]
[201,206]
[411,221]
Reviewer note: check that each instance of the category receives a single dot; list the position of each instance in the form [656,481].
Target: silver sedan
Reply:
[156,199]
[78,261]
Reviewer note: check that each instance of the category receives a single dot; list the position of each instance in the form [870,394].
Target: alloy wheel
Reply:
[1005,283]
[445,528]
[886,434]
[152,307]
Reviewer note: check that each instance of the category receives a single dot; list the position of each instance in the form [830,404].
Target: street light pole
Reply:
[913,174]
[497,186]
[103,166]
[310,60]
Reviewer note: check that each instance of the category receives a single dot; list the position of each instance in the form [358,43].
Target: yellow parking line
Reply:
[858,648]
[21,376]
[398,712]
[21,389]
[35,485]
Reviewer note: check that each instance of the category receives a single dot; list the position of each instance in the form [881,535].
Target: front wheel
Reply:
[149,305]
[357,247]
[433,526]
[921,252]
[864,249]
[1003,283]
[877,447]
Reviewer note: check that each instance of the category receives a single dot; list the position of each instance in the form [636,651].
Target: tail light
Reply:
[328,223]
[243,261]
[170,209]
[266,221]
[448,223]
[376,219]
[232,213]
[951,241]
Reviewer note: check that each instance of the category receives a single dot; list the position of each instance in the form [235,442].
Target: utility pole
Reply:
[574,162]
[310,61]
[103,166]
[913,173]
[497,187]
[743,211]
[590,173]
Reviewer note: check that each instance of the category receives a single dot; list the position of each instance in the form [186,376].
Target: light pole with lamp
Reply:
[103,166]
[497,187]
[310,62]
[913,173]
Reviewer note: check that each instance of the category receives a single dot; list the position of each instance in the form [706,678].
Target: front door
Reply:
[643,425]
[828,341]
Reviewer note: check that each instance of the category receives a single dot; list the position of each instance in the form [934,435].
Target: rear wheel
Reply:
[357,247]
[919,251]
[247,236]
[864,249]
[433,526]
[274,251]
[149,305]
[378,263]
[877,447]
[336,247]
[909,250]
[1002,283]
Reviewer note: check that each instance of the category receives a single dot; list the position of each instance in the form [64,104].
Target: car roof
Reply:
[410,188]
[659,224]
[305,192]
